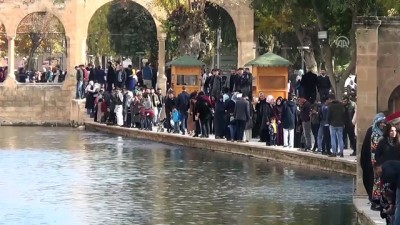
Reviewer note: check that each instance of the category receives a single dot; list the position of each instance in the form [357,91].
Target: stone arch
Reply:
[243,19]
[46,26]
[37,8]
[156,13]
[394,100]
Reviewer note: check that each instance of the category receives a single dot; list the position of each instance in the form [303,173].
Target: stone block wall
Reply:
[35,104]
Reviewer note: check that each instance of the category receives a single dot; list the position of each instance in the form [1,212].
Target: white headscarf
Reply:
[129,98]
[270,99]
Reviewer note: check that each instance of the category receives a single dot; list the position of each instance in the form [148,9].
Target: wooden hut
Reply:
[186,71]
[270,74]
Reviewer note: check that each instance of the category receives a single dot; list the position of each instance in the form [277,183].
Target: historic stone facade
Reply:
[52,103]
[378,74]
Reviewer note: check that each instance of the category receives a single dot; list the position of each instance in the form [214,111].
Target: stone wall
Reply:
[35,104]
[303,159]
[378,73]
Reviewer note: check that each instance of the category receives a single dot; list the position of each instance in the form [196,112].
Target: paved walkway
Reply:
[365,215]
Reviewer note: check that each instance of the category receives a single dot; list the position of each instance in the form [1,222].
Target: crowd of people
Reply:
[48,74]
[380,162]
[230,112]
[224,107]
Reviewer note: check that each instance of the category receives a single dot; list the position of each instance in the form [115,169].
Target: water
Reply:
[60,176]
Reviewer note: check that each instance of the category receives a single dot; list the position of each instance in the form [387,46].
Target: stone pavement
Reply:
[365,215]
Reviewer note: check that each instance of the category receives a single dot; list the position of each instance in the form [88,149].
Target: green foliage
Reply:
[99,38]
[181,24]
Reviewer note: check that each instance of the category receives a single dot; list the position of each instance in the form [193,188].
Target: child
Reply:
[175,119]
[273,129]
[387,203]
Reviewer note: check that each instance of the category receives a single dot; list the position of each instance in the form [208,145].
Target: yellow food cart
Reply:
[186,71]
[270,75]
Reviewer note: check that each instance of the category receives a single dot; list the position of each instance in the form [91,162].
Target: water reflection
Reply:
[66,176]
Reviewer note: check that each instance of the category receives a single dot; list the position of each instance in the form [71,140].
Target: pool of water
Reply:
[66,176]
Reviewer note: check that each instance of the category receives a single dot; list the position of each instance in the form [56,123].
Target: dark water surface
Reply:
[70,177]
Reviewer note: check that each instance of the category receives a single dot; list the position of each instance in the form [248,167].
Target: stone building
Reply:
[28,103]
[378,73]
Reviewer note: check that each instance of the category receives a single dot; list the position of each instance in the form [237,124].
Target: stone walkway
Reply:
[254,142]
[365,215]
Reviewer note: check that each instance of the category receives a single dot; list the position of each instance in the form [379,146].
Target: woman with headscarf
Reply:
[264,114]
[191,122]
[378,126]
[219,118]
[127,109]
[278,116]
[89,104]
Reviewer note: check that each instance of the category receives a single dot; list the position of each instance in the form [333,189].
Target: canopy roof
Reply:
[269,60]
[185,61]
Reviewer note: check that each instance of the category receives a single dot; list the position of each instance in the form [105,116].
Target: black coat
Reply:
[219,119]
[385,151]
[289,115]
[309,83]
[170,103]
[203,109]
[111,75]
[264,114]
[365,163]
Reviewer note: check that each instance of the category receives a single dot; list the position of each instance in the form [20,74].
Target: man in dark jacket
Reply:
[100,75]
[336,124]
[309,84]
[110,77]
[183,105]
[323,85]
[289,120]
[305,111]
[241,115]
[91,72]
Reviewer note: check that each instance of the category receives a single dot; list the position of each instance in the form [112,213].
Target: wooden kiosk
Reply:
[270,74]
[186,71]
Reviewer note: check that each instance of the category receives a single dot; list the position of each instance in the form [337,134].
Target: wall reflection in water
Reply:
[67,176]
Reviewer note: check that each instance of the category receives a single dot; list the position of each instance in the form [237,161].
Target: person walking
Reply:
[305,112]
[336,113]
[241,115]
[183,105]
[289,120]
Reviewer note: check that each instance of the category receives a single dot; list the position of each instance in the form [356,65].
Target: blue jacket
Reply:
[176,116]
[289,115]
[147,73]
[183,102]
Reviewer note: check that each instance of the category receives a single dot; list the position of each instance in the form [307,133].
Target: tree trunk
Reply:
[190,44]
[97,59]
[309,55]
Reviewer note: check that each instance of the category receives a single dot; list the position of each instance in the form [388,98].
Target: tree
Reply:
[305,19]
[37,33]
[99,37]
[191,28]
[122,28]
